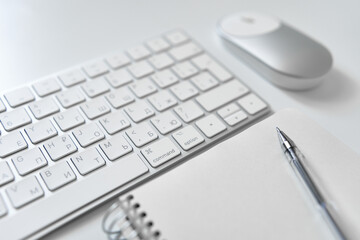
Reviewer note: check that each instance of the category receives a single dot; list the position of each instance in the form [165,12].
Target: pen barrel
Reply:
[334,227]
[296,163]
[299,168]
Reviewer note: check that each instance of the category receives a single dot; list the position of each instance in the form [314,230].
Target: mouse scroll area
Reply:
[248,24]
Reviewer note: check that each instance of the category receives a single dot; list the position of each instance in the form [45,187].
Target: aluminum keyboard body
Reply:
[77,138]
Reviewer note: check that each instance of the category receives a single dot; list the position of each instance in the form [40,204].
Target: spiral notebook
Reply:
[243,188]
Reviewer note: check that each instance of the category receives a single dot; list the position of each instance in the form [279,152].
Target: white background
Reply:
[38,38]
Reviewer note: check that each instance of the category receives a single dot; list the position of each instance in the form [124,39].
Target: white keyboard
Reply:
[85,135]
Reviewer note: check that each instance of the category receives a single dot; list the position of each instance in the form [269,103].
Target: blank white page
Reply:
[244,188]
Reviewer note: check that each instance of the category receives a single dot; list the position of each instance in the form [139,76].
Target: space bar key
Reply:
[71,198]
[221,95]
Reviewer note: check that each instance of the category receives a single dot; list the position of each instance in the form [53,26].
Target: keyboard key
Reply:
[160,152]
[115,147]
[252,104]
[222,95]
[88,161]
[46,86]
[204,81]
[79,194]
[60,147]
[157,44]
[119,78]
[138,52]
[185,51]
[69,119]
[118,126]
[140,69]
[162,100]
[120,97]
[95,87]
[72,77]
[161,61]
[185,70]
[204,62]
[41,131]
[19,96]
[164,78]
[88,134]
[235,118]
[189,111]
[117,60]
[58,175]
[43,108]
[3,209]
[141,134]
[176,37]
[14,119]
[228,110]
[139,111]
[12,143]
[143,88]
[95,108]
[188,137]
[184,91]
[70,98]
[6,175]
[24,191]
[114,122]
[96,69]
[166,122]
[29,161]
[2,106]
[210,126]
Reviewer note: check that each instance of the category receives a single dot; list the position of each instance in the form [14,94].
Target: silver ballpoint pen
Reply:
[291,153]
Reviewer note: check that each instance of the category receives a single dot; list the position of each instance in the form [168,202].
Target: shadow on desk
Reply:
[336,90]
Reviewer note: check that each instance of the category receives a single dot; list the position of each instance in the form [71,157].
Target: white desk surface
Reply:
[40,38]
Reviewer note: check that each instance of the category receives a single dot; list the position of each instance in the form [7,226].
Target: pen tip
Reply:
[278,130]
[283,138]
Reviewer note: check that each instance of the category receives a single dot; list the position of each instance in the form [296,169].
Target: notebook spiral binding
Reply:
[125,221]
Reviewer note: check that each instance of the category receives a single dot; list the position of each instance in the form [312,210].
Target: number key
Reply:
[70,98]
[14,119]
[43,108]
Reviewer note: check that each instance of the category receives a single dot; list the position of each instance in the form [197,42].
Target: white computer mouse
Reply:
[283,55]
